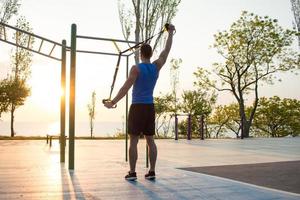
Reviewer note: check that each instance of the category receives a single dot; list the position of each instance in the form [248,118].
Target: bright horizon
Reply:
[196,22]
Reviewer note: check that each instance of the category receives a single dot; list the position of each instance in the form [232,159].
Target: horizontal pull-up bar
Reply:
[105,39]
[49,56]
[99,52]
[30,34]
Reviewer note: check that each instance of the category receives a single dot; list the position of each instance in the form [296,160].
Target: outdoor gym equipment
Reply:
[133,48]
[189,127]
[74,50]
[9,39]
[4,37]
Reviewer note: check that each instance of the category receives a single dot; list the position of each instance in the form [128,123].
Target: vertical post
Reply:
[189,127]
[63,102]
[147,158]
[202,127]
[72,97]
[176,127]
[126,115]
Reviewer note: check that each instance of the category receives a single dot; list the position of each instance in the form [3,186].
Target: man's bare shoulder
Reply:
[134,69]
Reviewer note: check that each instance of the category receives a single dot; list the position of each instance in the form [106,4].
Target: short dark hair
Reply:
[146,51]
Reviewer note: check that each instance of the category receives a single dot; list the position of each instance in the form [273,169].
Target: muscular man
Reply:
[141,118]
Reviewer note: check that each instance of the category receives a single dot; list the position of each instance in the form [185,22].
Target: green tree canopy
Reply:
[225,119]
[197,102]
[15,92]
[254,49]
[21,60]
[4,101]
[277,117]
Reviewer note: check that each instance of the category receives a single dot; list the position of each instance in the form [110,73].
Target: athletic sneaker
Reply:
[131,176]
[150,175]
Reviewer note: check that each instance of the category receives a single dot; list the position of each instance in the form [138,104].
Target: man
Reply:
[141,118]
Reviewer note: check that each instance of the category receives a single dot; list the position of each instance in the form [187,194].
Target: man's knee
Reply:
[134,139]
[150,140]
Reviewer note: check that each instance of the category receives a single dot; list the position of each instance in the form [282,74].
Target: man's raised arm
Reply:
[164,54]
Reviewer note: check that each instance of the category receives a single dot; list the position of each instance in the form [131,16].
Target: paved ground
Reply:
[30,170]
[278,175]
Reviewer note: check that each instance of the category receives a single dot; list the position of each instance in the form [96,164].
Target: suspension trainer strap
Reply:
[115,76]
[138,45]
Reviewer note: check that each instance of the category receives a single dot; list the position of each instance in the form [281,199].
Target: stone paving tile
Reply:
[31,170]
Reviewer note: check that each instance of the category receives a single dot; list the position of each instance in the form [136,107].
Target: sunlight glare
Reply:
[54,128]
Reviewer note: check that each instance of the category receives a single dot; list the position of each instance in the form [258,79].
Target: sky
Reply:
[196,22]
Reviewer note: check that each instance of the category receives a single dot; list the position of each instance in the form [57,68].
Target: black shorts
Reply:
[141,119]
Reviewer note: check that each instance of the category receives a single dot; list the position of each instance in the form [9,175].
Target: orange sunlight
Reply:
[45,88]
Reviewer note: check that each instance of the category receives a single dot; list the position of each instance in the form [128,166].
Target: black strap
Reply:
[115,75]
[138,45]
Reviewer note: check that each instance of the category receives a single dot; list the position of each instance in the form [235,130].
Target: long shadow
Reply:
[65,182]
[145,190]
[79,194]
[174,192]
[76,186]
[153,195]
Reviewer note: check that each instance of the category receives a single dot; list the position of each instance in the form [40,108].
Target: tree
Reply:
[162,111]
[254,49]
[15,91]
[21,61]
[197,103]
[218,121]
[92,111]
[21,58]
[225,119]
[296,12]
[145,17]
[174,77]
[4,101]
[277,117]
[8,8]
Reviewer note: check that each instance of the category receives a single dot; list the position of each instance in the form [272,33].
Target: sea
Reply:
[101,129]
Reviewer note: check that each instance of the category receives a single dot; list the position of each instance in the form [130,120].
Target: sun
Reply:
[45,87]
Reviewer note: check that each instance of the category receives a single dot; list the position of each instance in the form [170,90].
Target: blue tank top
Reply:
[143,86]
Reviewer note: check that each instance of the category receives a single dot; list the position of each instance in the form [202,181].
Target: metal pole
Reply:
[126,115]
[72,97]
[189,127]
[63,102]
[202,127]
[176,127]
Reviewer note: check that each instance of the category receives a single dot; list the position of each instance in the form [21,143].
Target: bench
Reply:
[49,139]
